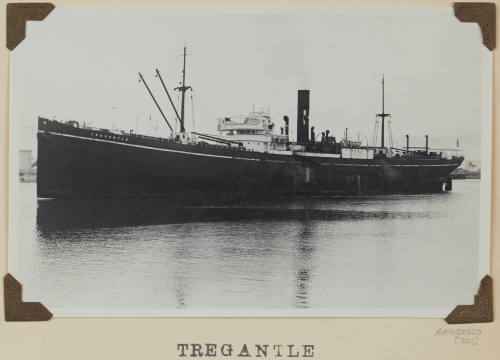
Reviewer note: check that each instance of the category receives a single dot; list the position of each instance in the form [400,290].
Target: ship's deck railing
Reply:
[411,152]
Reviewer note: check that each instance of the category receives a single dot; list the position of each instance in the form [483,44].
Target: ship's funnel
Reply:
[303,117]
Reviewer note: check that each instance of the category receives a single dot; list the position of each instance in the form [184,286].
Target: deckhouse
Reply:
[254,131]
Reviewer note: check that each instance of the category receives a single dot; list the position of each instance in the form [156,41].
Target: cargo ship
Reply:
[247,158]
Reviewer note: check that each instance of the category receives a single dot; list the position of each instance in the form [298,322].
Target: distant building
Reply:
[27,166]
[470,169]
[472,165]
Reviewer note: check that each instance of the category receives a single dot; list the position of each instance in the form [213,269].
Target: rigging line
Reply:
[201,110]
[375,132]
[178,104]
[205,105]
[389,125]
[205,110]
[192,110]
[390,137]
[390,134]
[392,141]
[375,129]
[201,104]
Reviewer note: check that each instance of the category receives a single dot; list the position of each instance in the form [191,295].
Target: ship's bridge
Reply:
[255,131]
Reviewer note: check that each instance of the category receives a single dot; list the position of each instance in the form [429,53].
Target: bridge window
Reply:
[247,131]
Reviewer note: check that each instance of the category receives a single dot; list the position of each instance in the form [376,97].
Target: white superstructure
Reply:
[255,131]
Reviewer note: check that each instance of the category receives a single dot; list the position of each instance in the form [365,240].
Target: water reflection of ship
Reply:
[304,256]
[61,214]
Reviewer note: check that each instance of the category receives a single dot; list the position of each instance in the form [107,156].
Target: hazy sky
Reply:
[82,64]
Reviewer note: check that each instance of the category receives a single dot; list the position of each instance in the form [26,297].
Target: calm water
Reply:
[403,252]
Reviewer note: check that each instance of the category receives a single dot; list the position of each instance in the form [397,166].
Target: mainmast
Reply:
[183,90]
[383,115]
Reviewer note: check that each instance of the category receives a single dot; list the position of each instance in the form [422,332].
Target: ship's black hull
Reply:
[80,163]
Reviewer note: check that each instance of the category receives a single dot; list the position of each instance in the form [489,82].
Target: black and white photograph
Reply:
[250,162]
